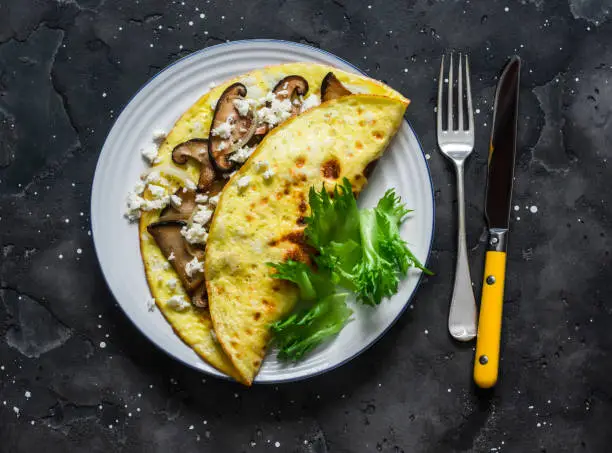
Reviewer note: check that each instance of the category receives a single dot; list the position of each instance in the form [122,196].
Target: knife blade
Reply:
[502,152]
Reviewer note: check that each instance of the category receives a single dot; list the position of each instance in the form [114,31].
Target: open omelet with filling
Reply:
[260,216]
[214,138]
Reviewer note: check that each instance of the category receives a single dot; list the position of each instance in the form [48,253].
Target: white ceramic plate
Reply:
[158,105]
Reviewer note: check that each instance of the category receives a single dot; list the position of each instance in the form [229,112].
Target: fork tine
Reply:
[460,95]
[470,113]
[440,92]
[450,93]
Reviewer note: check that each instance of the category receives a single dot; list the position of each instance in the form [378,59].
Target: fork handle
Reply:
[462,315]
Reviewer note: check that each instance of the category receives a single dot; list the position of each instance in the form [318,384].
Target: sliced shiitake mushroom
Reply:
[290,88]
[167,234]
[200,297]
[197,149]
[182,212]
[241,128]
[332,88]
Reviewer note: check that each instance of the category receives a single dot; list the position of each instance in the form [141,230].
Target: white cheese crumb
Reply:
[171,283]
[201,198]
[310,102]
[222,146]
[243,182]
[242,154]
[178,303]
[16,410]
[159,135]
[157,191]
[268,174]
[102,344]
[242,106]
[190,184]
[27,394]
[195,234]
[261,165]
[153,177]
[176,201]
[276,113]
[213,200]
[151,304]
[171,256]
[149,153]
[533,209]
[223,130]
[139,188]
[134,204]
[202,215]
[194,266]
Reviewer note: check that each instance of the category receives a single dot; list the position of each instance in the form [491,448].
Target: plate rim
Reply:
[221,375]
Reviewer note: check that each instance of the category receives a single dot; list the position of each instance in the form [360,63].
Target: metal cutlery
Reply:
[456,141]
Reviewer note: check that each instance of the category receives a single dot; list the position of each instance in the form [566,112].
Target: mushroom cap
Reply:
[332,88]
[167,234]
[241,128]
[196,148]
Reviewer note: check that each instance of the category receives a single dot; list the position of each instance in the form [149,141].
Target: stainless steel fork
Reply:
[457,143]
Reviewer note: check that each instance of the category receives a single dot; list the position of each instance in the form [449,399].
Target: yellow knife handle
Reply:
[486,363]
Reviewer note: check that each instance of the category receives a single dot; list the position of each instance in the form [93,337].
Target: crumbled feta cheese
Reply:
[139,188]
[151,304]
[134,204]
[176,201]
[211,85]
[195,234]
[171,256]
[282,92]
[310,102]
[242,154]
[202,215]
[149,153]
[213,201]
[268,174]
[155,177]
[261,165]
[194,266]
[189,184]
[222,146]
[242,106]
[157,191]
[178,303]
[159,135]
[152,205]
[243,182]
[223,130]
[276,113]
[171,283]
[201,198]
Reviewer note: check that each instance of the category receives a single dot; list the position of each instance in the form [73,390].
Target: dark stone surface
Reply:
[412,391]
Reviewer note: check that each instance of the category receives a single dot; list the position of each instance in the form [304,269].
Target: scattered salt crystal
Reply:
[277,444]
[28,394]
[102,344]
[533,209]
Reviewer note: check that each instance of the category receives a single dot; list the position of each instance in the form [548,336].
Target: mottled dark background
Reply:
[67,67]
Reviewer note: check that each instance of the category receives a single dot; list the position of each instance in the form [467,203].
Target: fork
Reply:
[457,144]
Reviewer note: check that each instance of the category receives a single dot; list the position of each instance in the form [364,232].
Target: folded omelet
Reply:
[318,143]
[260,216]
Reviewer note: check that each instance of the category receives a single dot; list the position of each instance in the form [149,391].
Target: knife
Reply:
[502,152]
